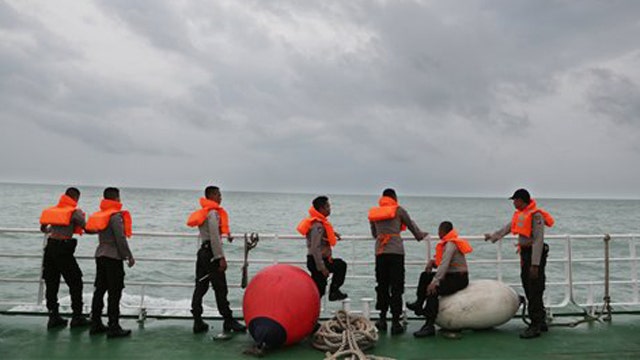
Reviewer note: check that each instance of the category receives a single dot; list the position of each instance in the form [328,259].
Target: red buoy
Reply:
[281,306]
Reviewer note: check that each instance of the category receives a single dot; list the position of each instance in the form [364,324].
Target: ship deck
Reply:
[26,337]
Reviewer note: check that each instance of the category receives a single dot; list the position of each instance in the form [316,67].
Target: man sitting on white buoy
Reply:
[452,276]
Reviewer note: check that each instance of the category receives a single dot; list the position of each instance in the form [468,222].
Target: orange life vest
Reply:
[198,217]
[452,236]
[314,215]
[99,220]
[60,215]
[522,219]
[386,211]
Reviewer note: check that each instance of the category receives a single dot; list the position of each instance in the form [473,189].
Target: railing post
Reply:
[607,299]
[590,300]
[634,269]
[569,269]
[366,307]
[41,280]
[499,260]
[428,249]
[142,312]
[353,257]
[346,305]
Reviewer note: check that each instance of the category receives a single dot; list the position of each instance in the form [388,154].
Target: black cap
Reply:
[521,194]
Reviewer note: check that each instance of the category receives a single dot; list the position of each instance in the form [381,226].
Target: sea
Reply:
[171,260]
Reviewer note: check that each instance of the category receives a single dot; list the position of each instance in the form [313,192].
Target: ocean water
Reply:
[160,210]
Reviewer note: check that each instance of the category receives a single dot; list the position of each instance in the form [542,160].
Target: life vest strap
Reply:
[384,239]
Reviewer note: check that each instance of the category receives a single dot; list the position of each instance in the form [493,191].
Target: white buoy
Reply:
[481,305]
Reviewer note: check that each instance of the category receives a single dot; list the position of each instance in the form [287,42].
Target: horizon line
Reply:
[340,193]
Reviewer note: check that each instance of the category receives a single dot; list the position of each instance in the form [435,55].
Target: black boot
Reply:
[199,326]
[97,327]
[417,307]
[232,324]
[336,295]
[428,329]
[381,324]
[533,331]
[115,331]
[55,321]
[396,326]
[79,321]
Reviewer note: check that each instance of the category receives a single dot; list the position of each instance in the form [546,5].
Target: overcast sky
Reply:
[430,97]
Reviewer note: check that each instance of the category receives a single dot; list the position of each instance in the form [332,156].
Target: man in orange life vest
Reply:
[387,221]
[61,222]
[528,223]
[212,221]
[113,226]
[451,277]
[320,239]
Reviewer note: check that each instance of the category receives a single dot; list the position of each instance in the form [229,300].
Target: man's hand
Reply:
[325,272]
[131,261]
[533,271]
[223,265]
[423,236]
[230,238]
[487,237]
[429,266]
[432,289]
[338,237]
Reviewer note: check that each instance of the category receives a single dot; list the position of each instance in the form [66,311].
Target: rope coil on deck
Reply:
[346,335]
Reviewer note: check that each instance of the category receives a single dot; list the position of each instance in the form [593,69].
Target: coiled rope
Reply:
[346,335]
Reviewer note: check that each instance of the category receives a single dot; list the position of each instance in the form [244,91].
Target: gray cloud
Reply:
[338,95]
[614,96]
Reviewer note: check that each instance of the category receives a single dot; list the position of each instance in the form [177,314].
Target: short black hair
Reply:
[73,192]
[320,202]
[210,191]
[446,226]
[111,193]
[390,193]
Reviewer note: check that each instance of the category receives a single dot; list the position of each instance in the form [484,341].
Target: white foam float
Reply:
[481,305]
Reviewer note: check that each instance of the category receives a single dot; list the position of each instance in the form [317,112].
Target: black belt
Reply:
[60,241]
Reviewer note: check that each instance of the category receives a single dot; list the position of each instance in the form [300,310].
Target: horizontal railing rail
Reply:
[502,266]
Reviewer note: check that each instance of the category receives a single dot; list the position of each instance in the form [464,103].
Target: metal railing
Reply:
[497,266]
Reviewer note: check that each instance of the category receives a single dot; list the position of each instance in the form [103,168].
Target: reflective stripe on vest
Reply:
[521,223]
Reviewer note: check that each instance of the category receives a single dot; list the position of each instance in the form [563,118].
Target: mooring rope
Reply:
[346,335]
